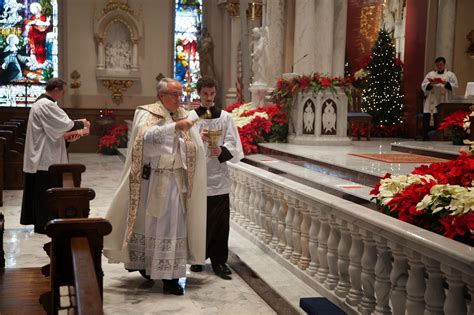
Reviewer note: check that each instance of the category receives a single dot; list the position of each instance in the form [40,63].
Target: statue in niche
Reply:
[260,54]
[117,55]
[308,117]
[205,48]
[10,16]
[329,117]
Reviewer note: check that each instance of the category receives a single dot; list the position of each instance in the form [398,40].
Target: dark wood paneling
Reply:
[86,144]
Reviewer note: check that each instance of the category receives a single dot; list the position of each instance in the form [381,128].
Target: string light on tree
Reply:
[383,97]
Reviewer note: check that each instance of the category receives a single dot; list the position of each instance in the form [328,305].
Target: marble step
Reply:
[314,176]
[439,149]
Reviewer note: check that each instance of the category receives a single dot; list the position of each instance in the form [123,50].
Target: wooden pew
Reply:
[2,156]
[18,142]
[12,163]
[76,250]
[68,175]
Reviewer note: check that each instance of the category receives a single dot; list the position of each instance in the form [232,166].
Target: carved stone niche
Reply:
[117,30]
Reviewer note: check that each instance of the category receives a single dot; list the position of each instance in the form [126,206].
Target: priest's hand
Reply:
[184,124]
[205,135]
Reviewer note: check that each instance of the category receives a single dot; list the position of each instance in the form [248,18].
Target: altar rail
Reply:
[362,260]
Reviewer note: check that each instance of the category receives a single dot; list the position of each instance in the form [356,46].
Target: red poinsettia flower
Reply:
[325,82]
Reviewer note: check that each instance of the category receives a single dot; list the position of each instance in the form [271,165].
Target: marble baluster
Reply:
[261,213]
[244,198]
[369,259]
[398,278]
[289,227]
[434,294]
[455,302]
[343,261]
[355,268]
[232,193]
[383,268]
[239,217]
[282,211]
[415,285]
[267,215]
[305,225]
[332,257]
[313,241]
[275,210]
[297,219]
[323,236]
[253,195]
[469,279]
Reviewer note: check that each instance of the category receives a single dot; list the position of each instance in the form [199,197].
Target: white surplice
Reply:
[438,94]
[44,142]
[218,179]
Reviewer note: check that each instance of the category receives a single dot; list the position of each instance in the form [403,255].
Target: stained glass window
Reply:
[29,49]
[187,27]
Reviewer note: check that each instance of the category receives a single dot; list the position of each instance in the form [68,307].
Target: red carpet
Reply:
[400,158]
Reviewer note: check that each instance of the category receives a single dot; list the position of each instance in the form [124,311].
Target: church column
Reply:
[275,20]
[445,30]
[314,36]
[101,55]
[304,44]
[134,55]
[324,36]
[340,25]
[233,9]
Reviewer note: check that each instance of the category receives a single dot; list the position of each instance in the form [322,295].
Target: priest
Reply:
[438,87]
[158,213]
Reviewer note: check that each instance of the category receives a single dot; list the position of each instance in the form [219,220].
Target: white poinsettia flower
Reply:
[389,187]
[455,199]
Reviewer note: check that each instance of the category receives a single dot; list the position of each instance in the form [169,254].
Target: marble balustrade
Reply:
[362,260]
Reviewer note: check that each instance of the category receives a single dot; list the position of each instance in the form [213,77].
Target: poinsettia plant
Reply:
[255,125]
[116,138]
[287,88]
[457,124]
[438,197]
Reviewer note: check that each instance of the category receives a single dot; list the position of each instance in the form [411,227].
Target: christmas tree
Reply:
[383,96]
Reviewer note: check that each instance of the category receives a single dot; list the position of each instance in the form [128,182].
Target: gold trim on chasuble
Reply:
[158,112]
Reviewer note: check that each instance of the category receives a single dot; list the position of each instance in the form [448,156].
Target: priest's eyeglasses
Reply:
[174,94]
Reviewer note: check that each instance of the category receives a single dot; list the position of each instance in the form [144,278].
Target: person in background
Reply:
[158,213]
[48,127]
[227,149]
[438,87]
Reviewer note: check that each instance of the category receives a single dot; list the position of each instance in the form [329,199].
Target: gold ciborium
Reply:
[214,138]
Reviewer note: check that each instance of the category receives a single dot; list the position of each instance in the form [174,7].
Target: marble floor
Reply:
[128,293]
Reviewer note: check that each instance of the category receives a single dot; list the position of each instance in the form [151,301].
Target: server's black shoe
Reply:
[222,271]
[196,268]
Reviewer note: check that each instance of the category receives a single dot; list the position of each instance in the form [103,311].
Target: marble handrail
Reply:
[361,259]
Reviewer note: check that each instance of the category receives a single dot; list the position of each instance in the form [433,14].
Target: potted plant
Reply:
[108,144]
[455,126]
